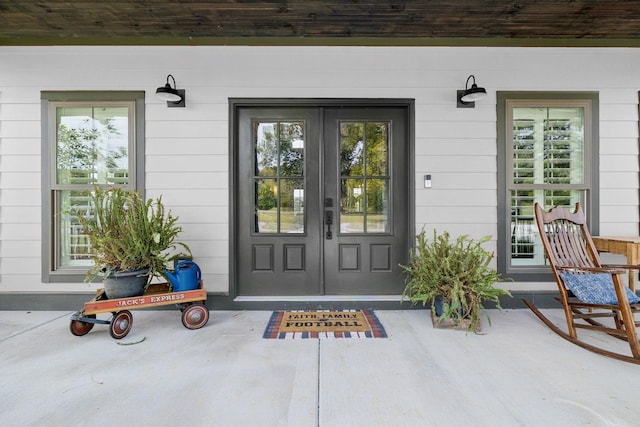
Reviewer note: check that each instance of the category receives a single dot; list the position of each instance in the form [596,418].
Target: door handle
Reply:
[328,216]
[328,219]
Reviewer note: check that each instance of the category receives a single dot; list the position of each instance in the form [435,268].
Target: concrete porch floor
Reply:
[518,374]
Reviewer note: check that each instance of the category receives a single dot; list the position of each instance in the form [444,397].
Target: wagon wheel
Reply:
[195,316]
[121,324]
[80,328]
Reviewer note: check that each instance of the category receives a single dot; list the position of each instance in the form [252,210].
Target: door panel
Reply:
[321,201]
[365,164]
[277,216]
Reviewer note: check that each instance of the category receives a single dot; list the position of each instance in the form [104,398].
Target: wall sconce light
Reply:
[174,97]
[467,98]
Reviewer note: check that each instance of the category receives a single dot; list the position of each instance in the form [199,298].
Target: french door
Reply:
[321,200]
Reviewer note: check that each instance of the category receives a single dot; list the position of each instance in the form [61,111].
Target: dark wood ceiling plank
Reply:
[516,19]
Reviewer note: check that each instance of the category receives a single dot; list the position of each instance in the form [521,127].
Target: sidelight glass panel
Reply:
[279,192]
[92,145]
[377,205]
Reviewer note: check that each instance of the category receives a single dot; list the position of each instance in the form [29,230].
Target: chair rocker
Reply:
[589,290]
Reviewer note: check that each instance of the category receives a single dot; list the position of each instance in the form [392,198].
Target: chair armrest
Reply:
[603,269]
[623,266]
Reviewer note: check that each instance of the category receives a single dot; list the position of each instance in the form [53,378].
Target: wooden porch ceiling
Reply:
[315,22]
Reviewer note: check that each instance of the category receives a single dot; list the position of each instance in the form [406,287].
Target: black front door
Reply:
[321,200]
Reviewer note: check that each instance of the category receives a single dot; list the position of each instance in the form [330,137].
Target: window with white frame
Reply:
[548,150]
[89,138]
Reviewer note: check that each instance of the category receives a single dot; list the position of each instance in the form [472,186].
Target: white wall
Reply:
[187,148]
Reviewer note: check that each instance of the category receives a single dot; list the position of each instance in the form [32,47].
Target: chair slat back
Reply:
[566,238]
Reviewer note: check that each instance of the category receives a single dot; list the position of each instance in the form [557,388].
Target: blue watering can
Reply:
[186,276]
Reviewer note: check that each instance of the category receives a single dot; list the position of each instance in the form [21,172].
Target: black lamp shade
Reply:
[466,98]
[474,94]
[174,97]
[167,93]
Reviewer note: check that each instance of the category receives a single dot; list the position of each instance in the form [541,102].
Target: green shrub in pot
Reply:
[129,233]
[457,272]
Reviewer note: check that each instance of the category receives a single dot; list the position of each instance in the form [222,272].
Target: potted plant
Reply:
[131,240]
[454,277]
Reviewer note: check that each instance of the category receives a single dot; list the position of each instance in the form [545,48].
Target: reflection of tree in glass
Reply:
[76,147]
[266,197]
[364,154]
[282,148]
[279,153]
[351,148]
[376,196]
[376,149]
[266,149]
[291,153]
[84,148]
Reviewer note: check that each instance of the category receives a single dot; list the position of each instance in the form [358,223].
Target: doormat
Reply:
[324,324]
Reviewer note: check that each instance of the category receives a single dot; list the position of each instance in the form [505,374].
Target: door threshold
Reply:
[308,302]
[320,298]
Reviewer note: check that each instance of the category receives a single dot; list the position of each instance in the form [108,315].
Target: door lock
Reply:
[328,219]
[328,216]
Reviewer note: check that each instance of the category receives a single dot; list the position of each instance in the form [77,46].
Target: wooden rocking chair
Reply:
[589,290]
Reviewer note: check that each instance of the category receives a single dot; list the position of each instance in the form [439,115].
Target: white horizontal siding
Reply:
[187,149]
[19,180]
[625,146]
[18,232]
[451,146]
[619,197]
[19,146]
[458,180]
[619,162]
[618,180]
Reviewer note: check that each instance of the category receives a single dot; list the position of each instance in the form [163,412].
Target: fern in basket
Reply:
[457,271]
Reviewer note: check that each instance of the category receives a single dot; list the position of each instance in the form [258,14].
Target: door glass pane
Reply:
[279,169]
[291,205]
[266,213]
[92,145]
[351,148]
[291,149]
[364,169]
[352,206]
[265,148]
[377,148]
[377,205]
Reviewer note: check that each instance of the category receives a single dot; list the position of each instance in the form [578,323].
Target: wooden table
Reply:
[627,246]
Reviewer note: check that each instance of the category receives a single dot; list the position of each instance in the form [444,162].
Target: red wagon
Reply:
[191,303]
